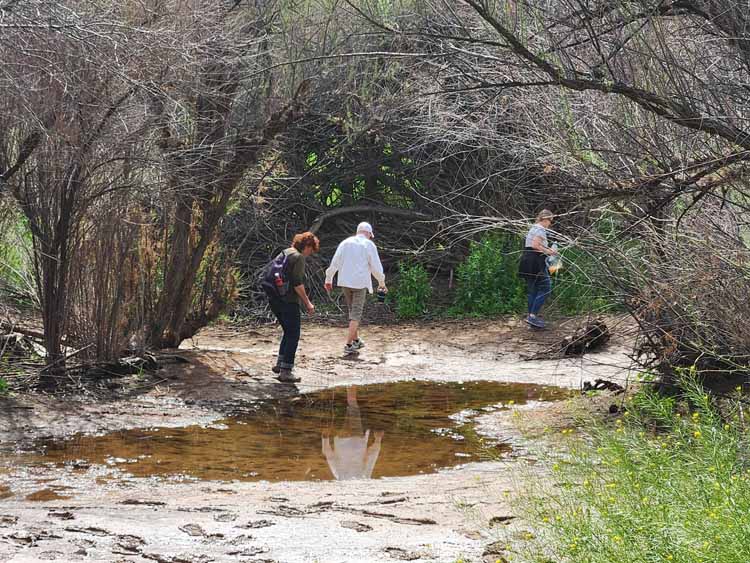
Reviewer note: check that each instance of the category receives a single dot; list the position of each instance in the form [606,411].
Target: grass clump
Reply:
[665,483]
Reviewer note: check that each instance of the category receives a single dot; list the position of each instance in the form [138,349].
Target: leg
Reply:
[356,308]
[351,336]
[544,287]
[530,293]
[348,292]
[278,311]
[292,331]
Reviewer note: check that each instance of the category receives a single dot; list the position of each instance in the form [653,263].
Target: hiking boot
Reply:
[286,376]
[350,349]
[276,369]
[358,344]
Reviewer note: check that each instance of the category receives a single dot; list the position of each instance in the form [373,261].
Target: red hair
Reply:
[303,240]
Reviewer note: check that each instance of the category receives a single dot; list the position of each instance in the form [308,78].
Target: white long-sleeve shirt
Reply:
[356,260]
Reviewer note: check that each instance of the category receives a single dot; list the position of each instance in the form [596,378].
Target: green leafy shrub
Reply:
[575,287]
[16,277]
[664,483]
[3,386]
[413,291]
[487,281]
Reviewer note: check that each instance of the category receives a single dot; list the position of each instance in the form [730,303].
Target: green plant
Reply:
[487,281]
[669,481]
[413,291]
[576,288]
[3,386]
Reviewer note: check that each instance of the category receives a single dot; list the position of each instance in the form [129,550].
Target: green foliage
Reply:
[413,291]
[575,287]
[3,386]
[664,484]
[488,282]
[15,263]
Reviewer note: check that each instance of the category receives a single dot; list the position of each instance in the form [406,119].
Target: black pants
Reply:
[290,319]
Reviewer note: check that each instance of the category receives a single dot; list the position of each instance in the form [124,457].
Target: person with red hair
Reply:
[286,308]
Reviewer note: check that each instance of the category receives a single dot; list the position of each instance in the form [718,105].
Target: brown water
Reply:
[393,429]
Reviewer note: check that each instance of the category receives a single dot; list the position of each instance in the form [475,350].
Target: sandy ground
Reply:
[439,517]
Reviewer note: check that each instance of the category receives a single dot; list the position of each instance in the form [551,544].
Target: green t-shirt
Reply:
[295,272]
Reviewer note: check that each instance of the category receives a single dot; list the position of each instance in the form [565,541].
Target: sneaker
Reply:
[535,322]
[286,376]
[350,349]
[358,344]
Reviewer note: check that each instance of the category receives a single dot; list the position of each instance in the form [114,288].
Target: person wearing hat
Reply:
[356,261]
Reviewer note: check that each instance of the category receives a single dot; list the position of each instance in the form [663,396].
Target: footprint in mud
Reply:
[226,517]
[192,530]
[197,531]
[242,539]
[52,556]
[128,545]
[7,520]
[255,524]
[404,555]
[248,552]
[356,526]
[65,515]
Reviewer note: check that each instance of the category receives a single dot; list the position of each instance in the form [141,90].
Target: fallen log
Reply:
[594,334]
[587,338]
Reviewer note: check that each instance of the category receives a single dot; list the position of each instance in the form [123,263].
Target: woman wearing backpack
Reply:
[285,304]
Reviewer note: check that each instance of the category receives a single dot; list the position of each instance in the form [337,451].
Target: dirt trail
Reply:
[439,517]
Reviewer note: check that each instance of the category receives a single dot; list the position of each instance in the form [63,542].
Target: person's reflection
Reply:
[351,457]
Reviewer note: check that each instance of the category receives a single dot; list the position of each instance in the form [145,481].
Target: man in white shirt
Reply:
[357,262]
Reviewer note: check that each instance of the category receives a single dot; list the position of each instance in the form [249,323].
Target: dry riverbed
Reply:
[101,512]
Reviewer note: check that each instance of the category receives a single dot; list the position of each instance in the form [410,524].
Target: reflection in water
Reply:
[351,457]
[428,425]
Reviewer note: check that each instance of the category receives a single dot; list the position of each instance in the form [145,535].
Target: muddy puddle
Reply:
[370,431]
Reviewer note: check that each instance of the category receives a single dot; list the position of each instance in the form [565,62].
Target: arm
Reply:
[300,290]
[376,268]
[536,244]
[333,268]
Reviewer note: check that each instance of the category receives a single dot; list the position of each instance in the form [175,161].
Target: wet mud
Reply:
[204,510]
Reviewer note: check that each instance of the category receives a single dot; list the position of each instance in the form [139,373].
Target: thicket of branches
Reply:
[159,153]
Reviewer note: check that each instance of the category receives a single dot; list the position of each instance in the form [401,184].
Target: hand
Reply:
[383,288]
[328,286]
[310,308]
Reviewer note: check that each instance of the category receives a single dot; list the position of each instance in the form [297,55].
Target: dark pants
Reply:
[290,319]
[537,290]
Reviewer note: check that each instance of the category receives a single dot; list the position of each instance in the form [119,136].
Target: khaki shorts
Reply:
[355,301]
